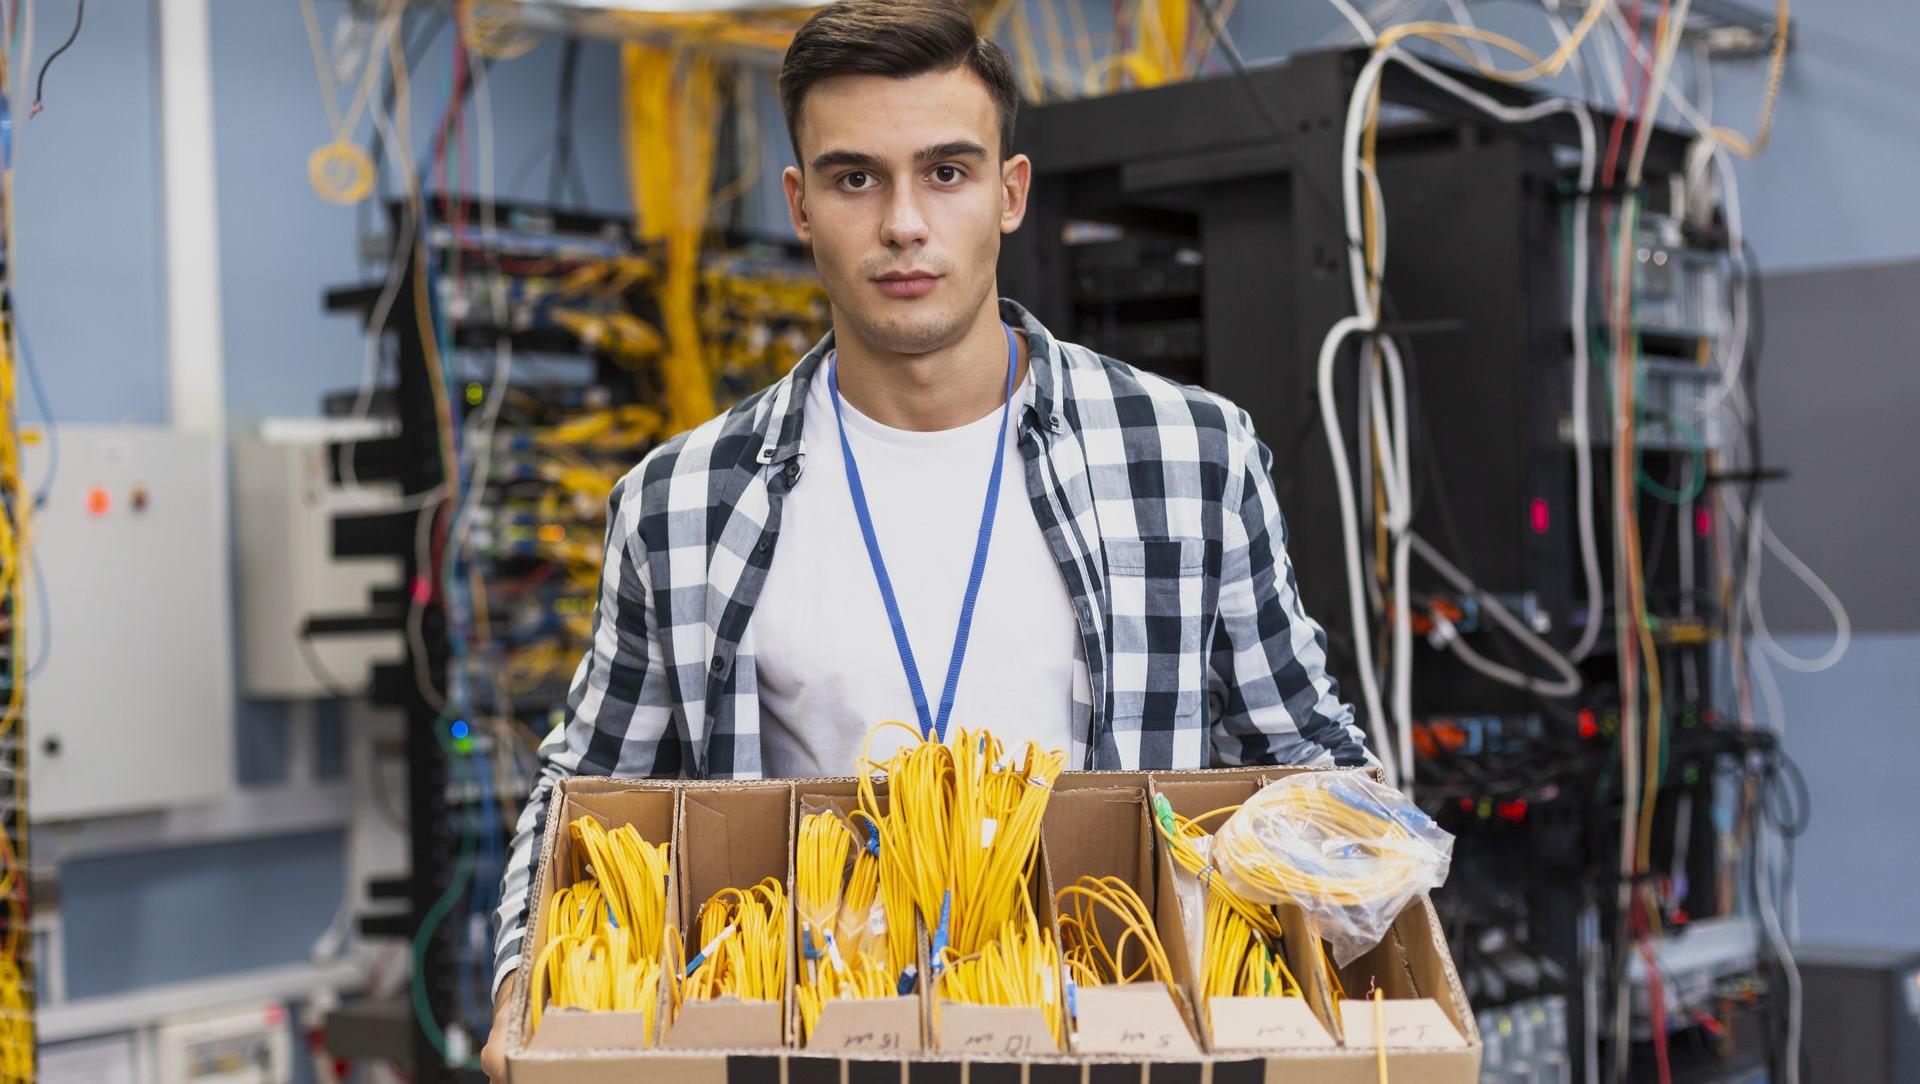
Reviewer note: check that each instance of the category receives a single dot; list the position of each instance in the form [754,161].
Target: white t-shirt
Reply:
[823,649]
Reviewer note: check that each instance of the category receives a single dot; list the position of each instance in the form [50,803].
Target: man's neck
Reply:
[944,388]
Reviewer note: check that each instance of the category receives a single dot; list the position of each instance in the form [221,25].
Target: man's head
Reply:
[901,118]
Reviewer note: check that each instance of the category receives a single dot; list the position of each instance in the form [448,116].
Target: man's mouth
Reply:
[906,284]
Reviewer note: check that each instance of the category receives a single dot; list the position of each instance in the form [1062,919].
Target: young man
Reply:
[940,482]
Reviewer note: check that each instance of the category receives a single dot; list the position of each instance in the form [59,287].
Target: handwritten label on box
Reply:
[994,1030]
[1409,1022]
[1266,1023]
[1138,1018]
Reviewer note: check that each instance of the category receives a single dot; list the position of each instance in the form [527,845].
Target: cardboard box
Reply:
[872,1025]
[998,1030]
[1246,1023]
[1105,832]
[731,835]
[651,810]
[1429,1029]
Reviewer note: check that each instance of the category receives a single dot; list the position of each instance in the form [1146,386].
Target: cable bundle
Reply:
[1015,968]
[1090,960]
[1348,851]
[961,831]
[606,930]
[743,938]
[836,889]
[958,841]
[1240,948]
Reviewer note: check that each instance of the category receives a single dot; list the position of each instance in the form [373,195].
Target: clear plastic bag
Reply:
[1350,852]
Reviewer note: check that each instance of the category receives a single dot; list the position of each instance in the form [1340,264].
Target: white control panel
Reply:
[129,633]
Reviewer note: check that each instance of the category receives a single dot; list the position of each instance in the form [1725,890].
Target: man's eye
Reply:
[947,174]
[857,179]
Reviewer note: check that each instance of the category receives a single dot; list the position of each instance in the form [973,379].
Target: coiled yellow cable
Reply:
[1184,836]
[1018,967]
[960,832]
[1092,961]
[606,930]
[1378,855]
[743,939]
[845,953]
[1241,953]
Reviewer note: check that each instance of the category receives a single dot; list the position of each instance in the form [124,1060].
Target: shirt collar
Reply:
[1040,410]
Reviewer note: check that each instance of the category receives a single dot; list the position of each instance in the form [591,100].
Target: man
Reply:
[942,513]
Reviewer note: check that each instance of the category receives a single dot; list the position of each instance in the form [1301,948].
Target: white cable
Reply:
[1765,891]
[1356,20]
[1465,18]
[1364,321]
[1763,533]
[1568,683]
[1349,534]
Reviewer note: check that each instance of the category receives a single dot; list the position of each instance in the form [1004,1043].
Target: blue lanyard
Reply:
[930,725]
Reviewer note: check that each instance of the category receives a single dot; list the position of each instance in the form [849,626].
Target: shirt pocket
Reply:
[1154,591]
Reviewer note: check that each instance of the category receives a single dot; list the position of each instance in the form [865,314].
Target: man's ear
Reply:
[1016,175]
[795,185]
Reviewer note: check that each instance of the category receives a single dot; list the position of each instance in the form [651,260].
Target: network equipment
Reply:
[526,378]
[1491,362]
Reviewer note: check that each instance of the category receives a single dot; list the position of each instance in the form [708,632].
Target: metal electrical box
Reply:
[129,627]
[1863,1014]
[244,1045]
[285,500]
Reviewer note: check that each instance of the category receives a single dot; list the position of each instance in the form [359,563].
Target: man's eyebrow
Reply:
[857,159]
[957,149]
[961,148]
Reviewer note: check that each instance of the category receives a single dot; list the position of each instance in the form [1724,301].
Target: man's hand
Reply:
[493,1056]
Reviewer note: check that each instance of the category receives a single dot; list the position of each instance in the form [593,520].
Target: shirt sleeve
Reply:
[1275,701]
[619,712]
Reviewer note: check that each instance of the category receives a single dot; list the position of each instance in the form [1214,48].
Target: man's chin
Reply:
[899,327]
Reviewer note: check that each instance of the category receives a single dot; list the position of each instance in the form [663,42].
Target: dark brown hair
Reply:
[897,38]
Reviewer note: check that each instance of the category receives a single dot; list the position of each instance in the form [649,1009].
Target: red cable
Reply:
[1657,1010]
[1626,103]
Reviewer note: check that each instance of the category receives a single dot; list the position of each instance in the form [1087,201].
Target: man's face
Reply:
[903,197]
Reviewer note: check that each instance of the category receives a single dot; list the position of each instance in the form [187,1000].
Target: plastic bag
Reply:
[1350,852]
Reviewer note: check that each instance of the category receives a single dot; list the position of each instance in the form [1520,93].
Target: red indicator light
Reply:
[1588,727]
[1702,522]
[99,501]
[1540,518]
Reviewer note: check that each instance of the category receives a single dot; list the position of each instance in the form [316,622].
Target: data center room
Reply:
[986,541]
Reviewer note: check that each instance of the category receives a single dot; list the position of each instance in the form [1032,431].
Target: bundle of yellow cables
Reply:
[1240,953]
[606,930]
[958,838]
[839,923]
[1017,967]
[961,829]
[743,939]
[1092,961]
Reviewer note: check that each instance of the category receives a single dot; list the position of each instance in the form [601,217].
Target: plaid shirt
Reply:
[1156,500]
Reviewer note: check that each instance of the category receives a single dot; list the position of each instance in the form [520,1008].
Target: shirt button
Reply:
[719,664]
[766,543]
[793,472]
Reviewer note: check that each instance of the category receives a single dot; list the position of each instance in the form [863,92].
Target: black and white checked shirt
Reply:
[1155,498]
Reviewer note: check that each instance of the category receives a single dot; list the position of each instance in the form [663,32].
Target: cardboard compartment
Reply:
[1412,966]
[1244,1023]
[1105,832]
[651,811]
[862,1025]
[996,1031]
[731,835]
[1424,1012]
